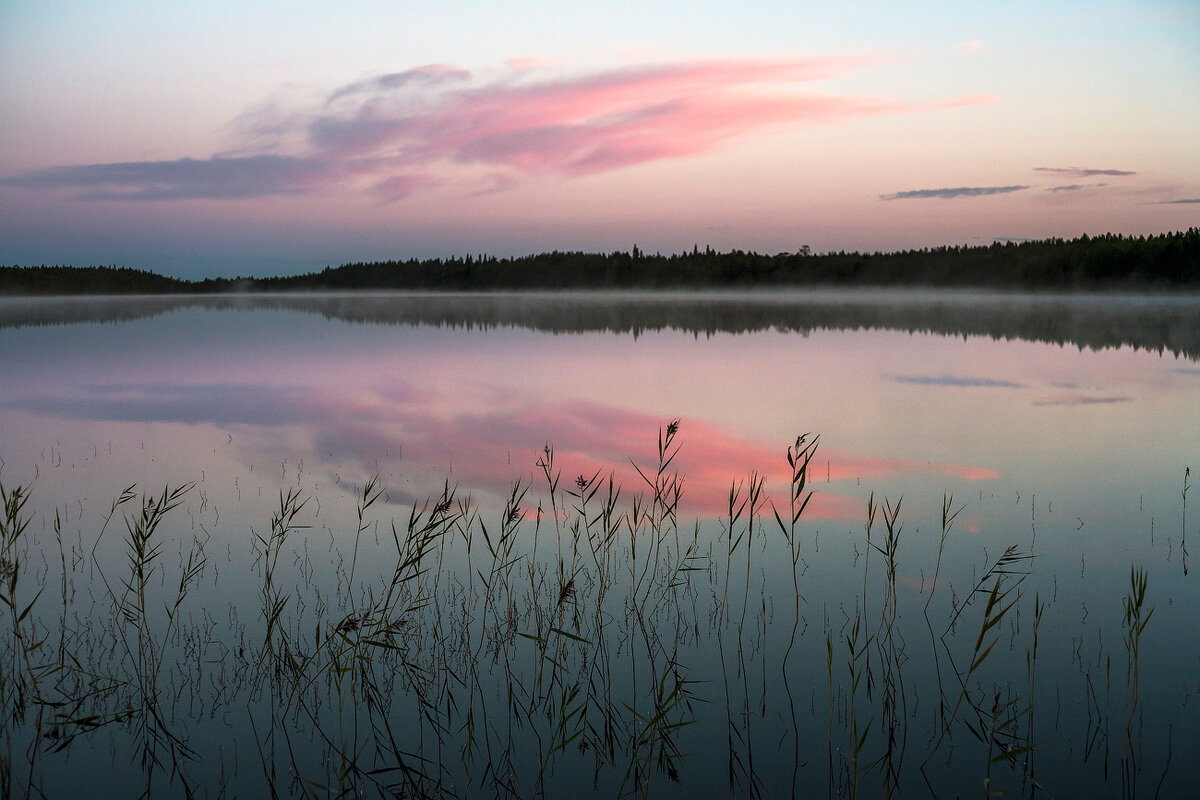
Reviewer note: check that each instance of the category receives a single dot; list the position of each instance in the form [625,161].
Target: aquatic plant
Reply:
[448,649]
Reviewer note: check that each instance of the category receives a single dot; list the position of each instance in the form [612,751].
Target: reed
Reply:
[890,650]
[799,456]
[19,678]
[283,522]
[991,720]
[449,651]
[1137,617]
[1187,474]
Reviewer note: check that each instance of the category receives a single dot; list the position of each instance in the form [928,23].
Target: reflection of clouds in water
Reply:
[482,450]
[1080,400]
[216,403]
[954,380]
[489,448]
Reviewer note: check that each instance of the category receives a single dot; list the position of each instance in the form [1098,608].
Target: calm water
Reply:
[642,651]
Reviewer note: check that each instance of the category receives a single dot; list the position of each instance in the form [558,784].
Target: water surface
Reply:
[1061,426]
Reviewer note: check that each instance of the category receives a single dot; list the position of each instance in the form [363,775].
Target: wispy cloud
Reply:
[398,187]
[1081,172]
[954,380]
[393,134]
[428,75]
[1075,187]
[1081,400]
[1185,201]
[217,178]
[959,191]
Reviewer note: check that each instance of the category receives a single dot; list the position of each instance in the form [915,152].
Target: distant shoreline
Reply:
[1167,262]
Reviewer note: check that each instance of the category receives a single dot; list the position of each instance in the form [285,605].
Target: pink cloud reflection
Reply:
[484,450]
[487,451]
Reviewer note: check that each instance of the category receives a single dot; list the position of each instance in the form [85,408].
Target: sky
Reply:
[257,138]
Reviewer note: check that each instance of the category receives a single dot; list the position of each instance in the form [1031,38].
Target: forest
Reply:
[1169,261]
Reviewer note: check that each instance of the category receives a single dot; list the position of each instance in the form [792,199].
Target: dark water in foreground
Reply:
[396,564]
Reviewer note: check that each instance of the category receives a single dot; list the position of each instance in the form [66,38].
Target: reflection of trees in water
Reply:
[1162,323]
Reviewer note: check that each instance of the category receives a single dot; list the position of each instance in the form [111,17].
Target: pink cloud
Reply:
[590,123]
[532,118]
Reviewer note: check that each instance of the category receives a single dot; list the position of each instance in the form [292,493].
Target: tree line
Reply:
[1110,261]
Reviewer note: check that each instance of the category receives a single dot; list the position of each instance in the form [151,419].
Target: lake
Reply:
[836,543]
